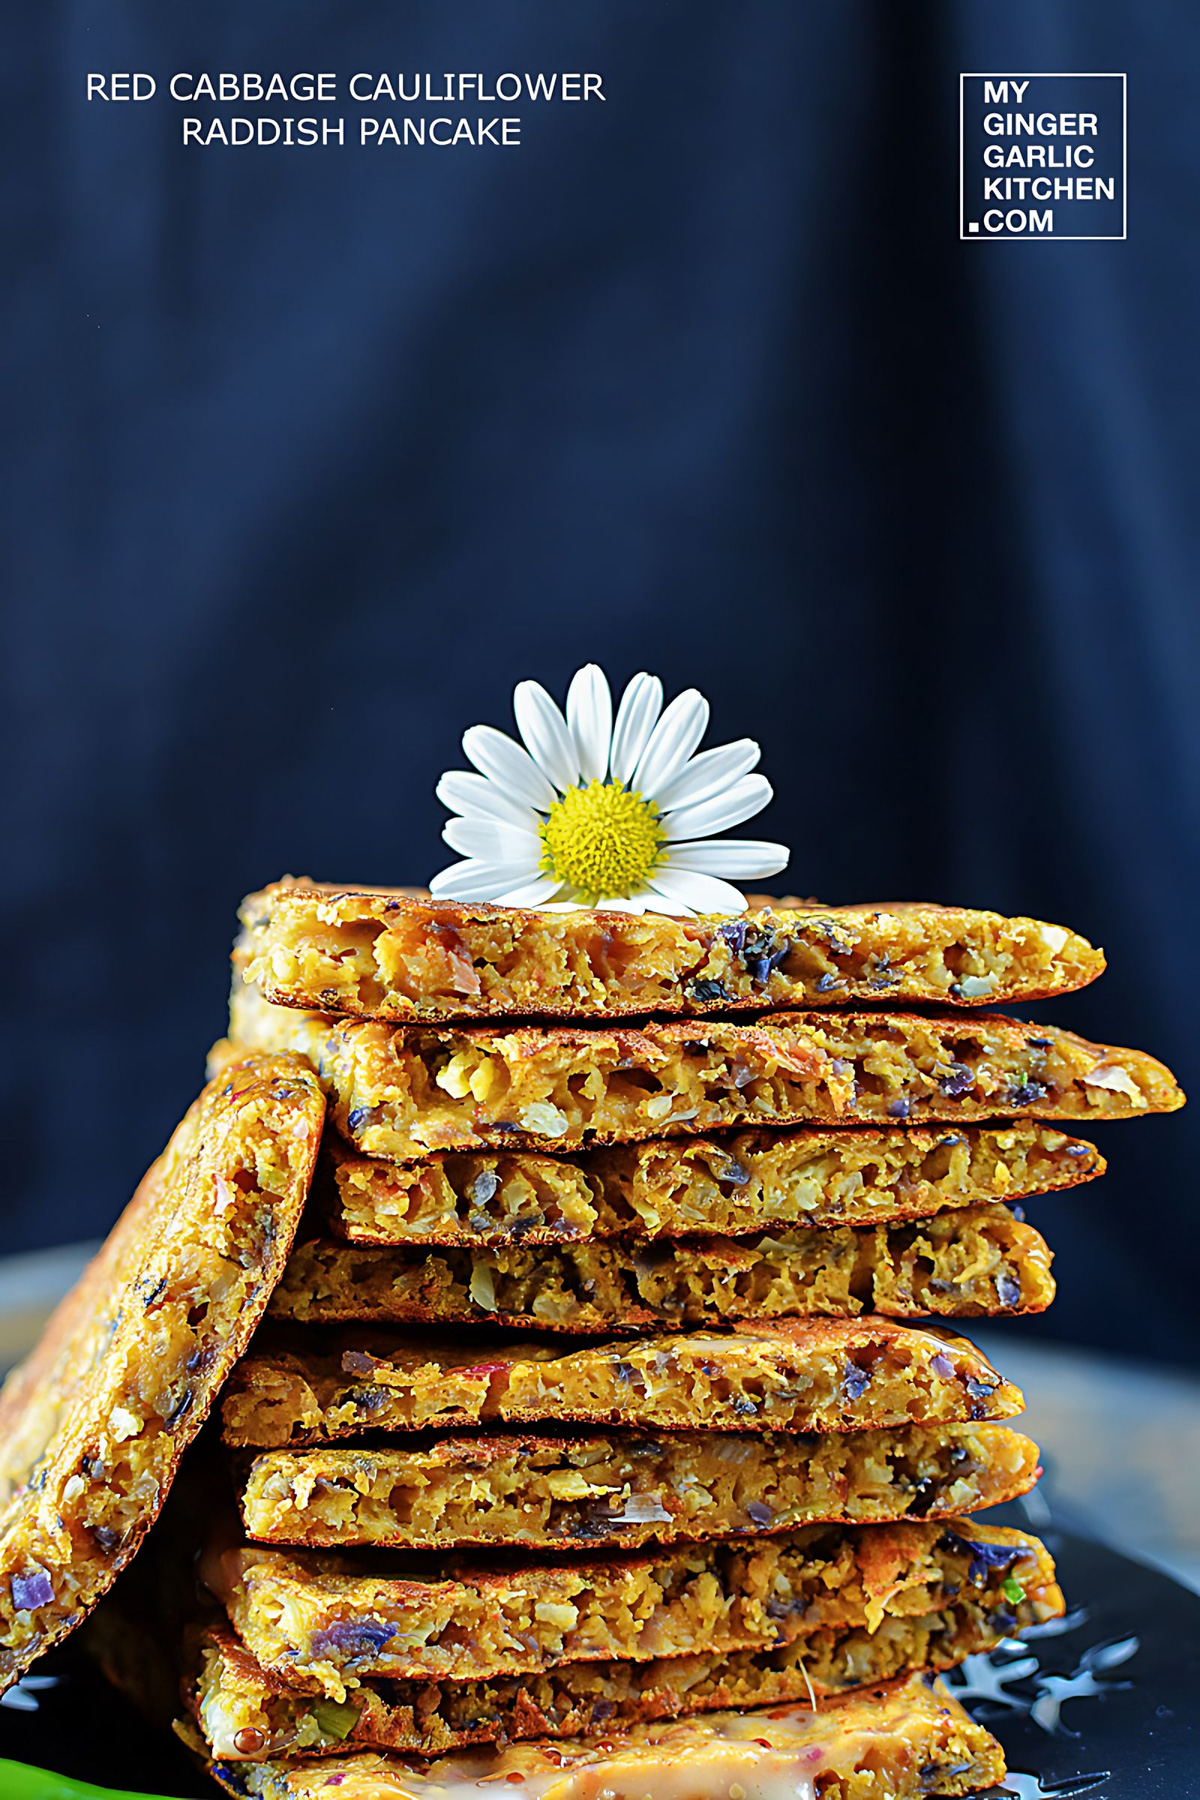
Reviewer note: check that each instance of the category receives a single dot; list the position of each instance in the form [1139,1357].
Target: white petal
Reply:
[545,733]
[707,774]
[637,716]
[741,801]
[448,880]
[532,893]
[703,893]
[493,841]
[674,738]
[475,880]
[748,859]
[478,798]
[497,756]
[670,908]
[626,903]
[589,720]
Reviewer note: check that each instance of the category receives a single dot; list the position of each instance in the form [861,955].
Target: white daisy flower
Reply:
[616,813]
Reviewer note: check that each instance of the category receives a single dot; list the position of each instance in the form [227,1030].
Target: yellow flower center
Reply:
[602,839]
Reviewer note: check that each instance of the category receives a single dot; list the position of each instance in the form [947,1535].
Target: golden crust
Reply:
[93,1424]
[904,1741]
[792,1375]
[734,1185]
[958,1264]
[399,955]
[403,1091]
[324,1623]
[624,1490]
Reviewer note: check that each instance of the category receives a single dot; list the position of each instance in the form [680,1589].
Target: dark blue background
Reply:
[314,453]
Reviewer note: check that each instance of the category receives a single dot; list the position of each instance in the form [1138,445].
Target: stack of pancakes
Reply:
[593,1404]
[585,1399]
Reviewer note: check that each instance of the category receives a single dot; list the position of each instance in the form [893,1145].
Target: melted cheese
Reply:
[773,1755]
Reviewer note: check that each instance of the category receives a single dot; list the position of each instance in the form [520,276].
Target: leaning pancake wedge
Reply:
[400,1091]
[907,1742]
[93,1425]
[796,1375]
[392,954]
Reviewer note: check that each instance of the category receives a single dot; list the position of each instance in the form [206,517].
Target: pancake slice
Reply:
[905,1741]
[93,1424]
[624,1489]
[403,1091]
[956,1265]
[391,954]
[323,1622]
[736,1185]
[796,1375]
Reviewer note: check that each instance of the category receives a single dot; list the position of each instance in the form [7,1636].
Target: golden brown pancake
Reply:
[737,1184]
[93,1424]
[324,1622]
[398,1091]
[390,953]
[624,1489]
[958,1264]
[904,1741]
[794,1375]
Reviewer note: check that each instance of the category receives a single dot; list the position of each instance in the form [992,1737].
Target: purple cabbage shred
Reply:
[352,1639]
[855,1381]
[32,1590]
[985,1556]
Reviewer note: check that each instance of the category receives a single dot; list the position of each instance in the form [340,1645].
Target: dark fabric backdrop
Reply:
[313,454]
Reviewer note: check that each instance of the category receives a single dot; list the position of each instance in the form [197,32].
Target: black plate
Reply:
[1106,1709]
